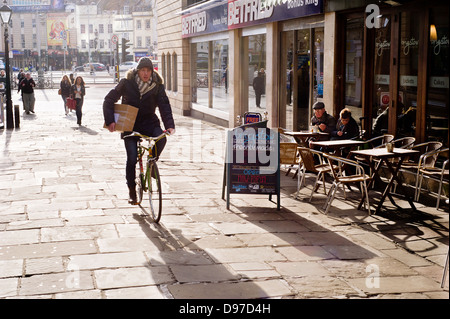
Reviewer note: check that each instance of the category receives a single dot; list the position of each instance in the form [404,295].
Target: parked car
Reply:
[97,67]
[78,69]
[127,65]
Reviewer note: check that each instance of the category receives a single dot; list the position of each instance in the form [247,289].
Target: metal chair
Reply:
[309,165]
[359,176]
[440,174]
[382,139]
[412,165]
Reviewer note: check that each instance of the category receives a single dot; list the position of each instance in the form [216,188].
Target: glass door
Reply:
[408,70]
[437,110]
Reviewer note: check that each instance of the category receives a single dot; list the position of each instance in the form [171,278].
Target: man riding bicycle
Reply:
[142,88]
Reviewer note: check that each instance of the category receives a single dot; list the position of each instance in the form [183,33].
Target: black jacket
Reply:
[65,88]
[350,130]
[146,119]
[27,86]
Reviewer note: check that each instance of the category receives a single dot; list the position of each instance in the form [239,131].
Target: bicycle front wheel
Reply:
[139,184]
[155,192]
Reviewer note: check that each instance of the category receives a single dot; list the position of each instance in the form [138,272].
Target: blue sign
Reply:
[38,6]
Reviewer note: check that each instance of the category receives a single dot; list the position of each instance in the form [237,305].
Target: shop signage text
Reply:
[234,14]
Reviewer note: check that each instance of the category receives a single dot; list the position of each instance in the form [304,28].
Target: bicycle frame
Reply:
[141,152]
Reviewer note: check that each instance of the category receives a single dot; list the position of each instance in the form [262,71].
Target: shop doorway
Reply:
[301,76]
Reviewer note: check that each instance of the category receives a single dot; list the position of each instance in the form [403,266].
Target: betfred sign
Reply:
[233,14]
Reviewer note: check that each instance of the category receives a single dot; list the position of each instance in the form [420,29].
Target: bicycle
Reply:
[149,180]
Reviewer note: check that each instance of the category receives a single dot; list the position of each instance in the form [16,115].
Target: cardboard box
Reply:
[124,116]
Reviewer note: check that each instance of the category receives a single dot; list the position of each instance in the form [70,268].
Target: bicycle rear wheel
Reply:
[155,193]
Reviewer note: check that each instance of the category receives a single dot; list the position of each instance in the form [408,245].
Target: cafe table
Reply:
[302,137]
[375,158]
[337,145]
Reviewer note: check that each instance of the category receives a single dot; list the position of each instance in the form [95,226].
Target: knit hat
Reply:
[145,63]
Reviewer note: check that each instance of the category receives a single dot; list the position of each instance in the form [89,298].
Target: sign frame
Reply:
[257,182]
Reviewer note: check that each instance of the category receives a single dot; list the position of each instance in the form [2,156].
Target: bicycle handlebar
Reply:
[149,138]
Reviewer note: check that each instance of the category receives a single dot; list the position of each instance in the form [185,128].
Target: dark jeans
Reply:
[78,110]
[258,99]
[131,148]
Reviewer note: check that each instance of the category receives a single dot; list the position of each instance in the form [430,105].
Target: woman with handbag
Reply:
[64,91]
[78,92]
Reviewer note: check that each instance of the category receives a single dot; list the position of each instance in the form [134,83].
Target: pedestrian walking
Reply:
[259,85]
[78,92]
[27,86]
[142,88]
[65,88]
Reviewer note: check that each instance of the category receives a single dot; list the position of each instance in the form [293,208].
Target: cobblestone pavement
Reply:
[66,230]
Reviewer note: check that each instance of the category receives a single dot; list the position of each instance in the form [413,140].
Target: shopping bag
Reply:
[71,103]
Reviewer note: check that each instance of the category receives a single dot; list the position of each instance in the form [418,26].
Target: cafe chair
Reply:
[412,164]
[404,142]
[378,141]
[358,175]
[289,156]
[439,174]
[309,165]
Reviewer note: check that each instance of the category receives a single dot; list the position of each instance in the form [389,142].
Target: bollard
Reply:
[17,116]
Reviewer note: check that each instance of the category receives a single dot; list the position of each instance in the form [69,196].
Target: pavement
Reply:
[67,231]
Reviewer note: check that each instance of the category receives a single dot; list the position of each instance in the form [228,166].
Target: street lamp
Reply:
[5,14]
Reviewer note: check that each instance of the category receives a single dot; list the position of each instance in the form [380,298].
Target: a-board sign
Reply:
[252,164]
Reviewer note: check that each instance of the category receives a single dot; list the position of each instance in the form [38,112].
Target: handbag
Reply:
[59,92]
[71,103]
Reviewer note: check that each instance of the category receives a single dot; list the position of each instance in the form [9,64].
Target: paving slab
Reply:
[67,230]
[235,290]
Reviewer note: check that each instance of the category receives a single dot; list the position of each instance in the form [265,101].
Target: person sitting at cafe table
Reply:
[325,122]
[346,127]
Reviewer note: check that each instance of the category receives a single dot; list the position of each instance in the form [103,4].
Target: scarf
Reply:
[144,87]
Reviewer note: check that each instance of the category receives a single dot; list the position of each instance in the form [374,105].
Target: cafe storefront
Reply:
[316,50]
[405,54]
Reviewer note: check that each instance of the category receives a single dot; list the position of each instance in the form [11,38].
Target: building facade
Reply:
[49,35]
[353,54]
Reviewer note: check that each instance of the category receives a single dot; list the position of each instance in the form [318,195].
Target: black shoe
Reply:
[32,112]
[133,197]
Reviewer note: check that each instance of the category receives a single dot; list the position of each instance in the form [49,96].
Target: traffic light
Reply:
[125,47]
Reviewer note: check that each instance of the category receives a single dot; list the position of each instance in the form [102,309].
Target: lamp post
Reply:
[5,14]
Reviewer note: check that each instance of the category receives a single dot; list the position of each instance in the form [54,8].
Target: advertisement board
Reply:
[56,30]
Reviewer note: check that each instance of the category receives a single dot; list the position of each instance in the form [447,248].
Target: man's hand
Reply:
[112,127]
[322,127]
[171,131]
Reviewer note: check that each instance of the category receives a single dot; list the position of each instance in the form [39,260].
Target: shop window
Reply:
[381,77]
[169,72]
[175,72]
[408,67]
[438,76]
[257,73]
[353,66]
[163,68]
[209,74]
